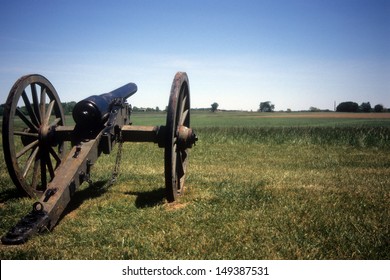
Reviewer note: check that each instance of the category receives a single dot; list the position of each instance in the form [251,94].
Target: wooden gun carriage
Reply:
[35,141]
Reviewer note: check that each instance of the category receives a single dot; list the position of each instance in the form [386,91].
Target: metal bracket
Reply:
[49,193]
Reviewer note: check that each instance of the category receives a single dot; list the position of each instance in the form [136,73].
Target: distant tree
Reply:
[214,107]
[348,106]
[379,108]
[23,109]
[314,109]
[157,109]
[365,107]
[266,106]
[68,106]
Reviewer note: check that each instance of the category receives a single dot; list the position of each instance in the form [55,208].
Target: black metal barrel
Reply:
[94,110]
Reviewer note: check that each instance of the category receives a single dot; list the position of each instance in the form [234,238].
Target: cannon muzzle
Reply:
[94,110]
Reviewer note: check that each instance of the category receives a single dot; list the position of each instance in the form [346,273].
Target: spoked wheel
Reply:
[32,154]
[179,136]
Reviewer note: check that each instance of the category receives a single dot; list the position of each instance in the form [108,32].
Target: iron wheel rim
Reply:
[31,152]
[176,158]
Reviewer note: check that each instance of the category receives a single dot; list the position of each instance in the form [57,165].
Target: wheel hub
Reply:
[44,133]
[186,137]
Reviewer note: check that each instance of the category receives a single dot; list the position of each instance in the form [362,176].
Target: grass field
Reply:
[259,186]
[250,119]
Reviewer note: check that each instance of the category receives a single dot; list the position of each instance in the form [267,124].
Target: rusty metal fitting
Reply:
[186,137]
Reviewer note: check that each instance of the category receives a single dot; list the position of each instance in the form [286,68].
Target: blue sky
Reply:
[295,53]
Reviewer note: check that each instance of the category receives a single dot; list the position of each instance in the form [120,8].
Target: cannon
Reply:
[36,141]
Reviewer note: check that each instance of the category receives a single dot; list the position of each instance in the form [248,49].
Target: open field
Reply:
[288,186]
[255,119]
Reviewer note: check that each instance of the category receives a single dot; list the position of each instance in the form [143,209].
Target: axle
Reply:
[186,137]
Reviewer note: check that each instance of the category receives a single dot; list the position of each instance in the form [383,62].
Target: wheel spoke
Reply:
[43,104]
[28,134]
[174,163]
[35,174]
[43,168]
[183,103]
[20,114]
[55,122]
[35,100]
[184,108]
[49,111]
[49,165]
[29,108]
[180,167]
[27,148]
[183,117]
[180,108]
[55,156]
[183,164]
[30,160]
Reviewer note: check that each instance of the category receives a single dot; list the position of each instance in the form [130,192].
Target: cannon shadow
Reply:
[9,194]
[97,189]
[148,198]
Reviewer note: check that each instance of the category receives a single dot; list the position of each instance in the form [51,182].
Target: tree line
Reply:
[350,106]
[266,106]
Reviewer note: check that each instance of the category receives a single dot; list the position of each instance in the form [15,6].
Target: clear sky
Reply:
[294,53]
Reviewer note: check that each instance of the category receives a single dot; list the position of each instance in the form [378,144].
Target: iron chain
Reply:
[117,160]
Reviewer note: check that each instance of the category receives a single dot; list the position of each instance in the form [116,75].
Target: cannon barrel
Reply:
[94,110]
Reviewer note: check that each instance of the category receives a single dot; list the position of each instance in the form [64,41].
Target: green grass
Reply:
[252,192]
[306,119]
[255,119]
